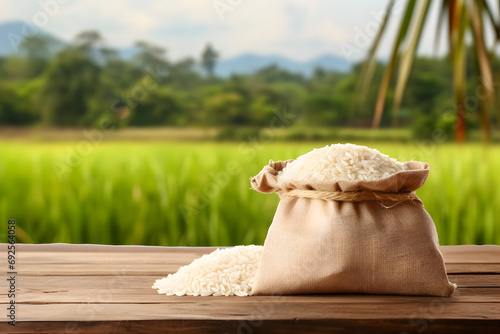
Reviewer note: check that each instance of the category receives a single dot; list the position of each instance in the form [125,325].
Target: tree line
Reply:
[77,84]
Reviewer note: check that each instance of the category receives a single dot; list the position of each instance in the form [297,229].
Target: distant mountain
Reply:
[248,63]
[11,34]
[128,53]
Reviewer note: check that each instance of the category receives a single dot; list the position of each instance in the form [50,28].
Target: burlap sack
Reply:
[350,237]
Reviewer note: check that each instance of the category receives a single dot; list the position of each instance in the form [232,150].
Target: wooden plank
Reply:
[471,253]
[253,309]
[452,254]
[89,269]
[178,256]
[63,247]
[146,295]
[109,257]
[163,268]
[475,281]
[316,326]
[469,268]
[134,282]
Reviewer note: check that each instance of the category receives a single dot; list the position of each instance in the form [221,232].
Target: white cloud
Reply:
[295,28]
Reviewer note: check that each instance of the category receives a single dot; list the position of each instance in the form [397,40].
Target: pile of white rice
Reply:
[224,272]
[341,162]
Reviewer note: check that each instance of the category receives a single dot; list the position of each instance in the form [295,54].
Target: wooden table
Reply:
[107,289]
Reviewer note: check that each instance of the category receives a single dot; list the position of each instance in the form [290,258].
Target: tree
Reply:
[324,110]
[274,73]
[209,59]
[15,109]
[160,107]
[37,49]
[88,39]
[183,75]
[91,43]
[109,55]
[15,68]
[150,55]
[226,109]
[71,82]
[463,17]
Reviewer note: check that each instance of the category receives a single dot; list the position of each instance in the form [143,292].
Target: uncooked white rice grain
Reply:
[224,272]
[341,162]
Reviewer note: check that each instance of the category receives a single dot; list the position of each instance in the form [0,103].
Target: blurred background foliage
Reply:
[80,83]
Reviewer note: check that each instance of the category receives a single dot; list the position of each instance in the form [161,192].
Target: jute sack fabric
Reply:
[350,237]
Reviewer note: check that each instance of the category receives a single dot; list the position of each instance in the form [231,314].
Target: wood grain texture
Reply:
[135,282]
[452,254]
[163,268]
[255,309]
[214,326]
[144,294]
[107,289]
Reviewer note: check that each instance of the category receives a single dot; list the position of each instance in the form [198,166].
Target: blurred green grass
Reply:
[197,194]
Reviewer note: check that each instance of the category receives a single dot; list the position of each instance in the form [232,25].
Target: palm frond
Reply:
[464,17]
[408,55]
[368,69]
[496,28]
[485,103]
[441,16]
[457,27]
[384,86]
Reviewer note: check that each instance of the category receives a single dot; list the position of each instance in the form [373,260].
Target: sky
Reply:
[297,29]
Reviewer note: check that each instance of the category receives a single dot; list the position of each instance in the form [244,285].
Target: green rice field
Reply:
[197,194]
